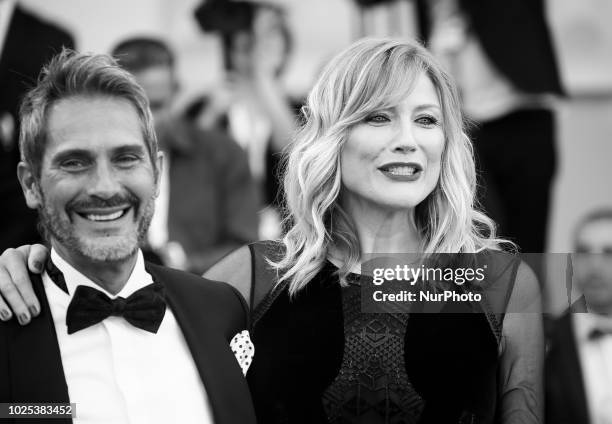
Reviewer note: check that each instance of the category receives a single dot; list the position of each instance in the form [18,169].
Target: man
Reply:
[208,201]
[124,340]
[579,363]
[26,44]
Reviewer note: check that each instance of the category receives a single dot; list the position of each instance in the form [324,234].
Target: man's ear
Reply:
[29,185]
[160,169]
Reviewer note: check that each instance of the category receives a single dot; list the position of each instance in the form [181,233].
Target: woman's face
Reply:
[393,157]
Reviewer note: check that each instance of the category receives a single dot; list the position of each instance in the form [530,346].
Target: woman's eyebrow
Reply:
[427,106]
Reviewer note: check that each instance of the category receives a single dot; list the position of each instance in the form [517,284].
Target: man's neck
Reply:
[112,276]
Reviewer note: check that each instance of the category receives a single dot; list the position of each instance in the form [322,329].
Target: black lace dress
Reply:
[319,359]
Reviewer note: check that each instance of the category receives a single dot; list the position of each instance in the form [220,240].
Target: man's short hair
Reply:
[140,53]
[72,74]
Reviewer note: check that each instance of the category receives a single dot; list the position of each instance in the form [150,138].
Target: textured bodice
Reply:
[372,385]
[320,359]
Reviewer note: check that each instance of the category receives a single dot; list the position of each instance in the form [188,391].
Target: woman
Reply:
[382,166]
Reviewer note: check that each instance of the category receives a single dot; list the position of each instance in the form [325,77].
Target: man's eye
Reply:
[427,120]
[73,164]
[127,159]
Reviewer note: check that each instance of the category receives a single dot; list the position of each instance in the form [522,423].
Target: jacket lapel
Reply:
[37,374]
[218,368]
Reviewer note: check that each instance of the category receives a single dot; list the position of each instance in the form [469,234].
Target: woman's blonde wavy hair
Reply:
[370,75]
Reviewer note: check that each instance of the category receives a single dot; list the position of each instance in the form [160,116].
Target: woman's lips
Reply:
[402,171]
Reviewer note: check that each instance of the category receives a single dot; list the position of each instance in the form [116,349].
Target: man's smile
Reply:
[104,215]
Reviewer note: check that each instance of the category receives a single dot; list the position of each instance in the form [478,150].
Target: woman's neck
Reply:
[383,230]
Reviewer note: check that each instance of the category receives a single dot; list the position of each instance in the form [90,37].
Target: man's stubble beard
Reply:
[107,249]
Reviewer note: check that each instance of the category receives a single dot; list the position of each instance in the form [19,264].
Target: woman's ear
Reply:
[29,185]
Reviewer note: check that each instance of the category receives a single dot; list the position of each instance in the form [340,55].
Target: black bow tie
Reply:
[145,308]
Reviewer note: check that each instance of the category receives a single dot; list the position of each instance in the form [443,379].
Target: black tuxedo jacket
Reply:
[29,44]
[514,36]
[209,313]
[565,396]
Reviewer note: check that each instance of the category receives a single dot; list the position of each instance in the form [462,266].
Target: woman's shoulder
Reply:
[247,267]
[510,285]
[498,267]
[507,270]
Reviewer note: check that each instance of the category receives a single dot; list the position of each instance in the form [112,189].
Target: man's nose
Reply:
[105,182]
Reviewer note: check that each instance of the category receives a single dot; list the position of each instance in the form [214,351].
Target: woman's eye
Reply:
[377,118]
[427,121]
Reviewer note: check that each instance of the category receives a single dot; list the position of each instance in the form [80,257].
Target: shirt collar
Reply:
[138,279]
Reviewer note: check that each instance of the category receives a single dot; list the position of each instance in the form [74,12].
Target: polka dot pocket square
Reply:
[243,350]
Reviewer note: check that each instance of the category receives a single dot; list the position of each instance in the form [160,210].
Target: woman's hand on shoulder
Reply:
[16,293]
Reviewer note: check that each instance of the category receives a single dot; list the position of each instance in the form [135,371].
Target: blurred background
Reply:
[226,80]
[581,37]
[581,33]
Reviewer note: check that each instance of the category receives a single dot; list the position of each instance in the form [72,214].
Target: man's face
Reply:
[97,184]
[593,264]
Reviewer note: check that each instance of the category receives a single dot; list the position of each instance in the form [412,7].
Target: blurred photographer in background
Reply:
[251,103]
[208,201]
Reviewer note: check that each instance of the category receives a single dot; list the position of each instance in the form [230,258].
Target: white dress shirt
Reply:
[117,373]
[596,364]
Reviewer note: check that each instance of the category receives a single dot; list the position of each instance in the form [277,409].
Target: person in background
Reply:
[26,44]
[251,103]
[208,201]
[579,360]
[501,55]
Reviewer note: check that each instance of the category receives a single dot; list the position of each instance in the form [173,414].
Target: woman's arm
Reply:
[522,353]
[16,294]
